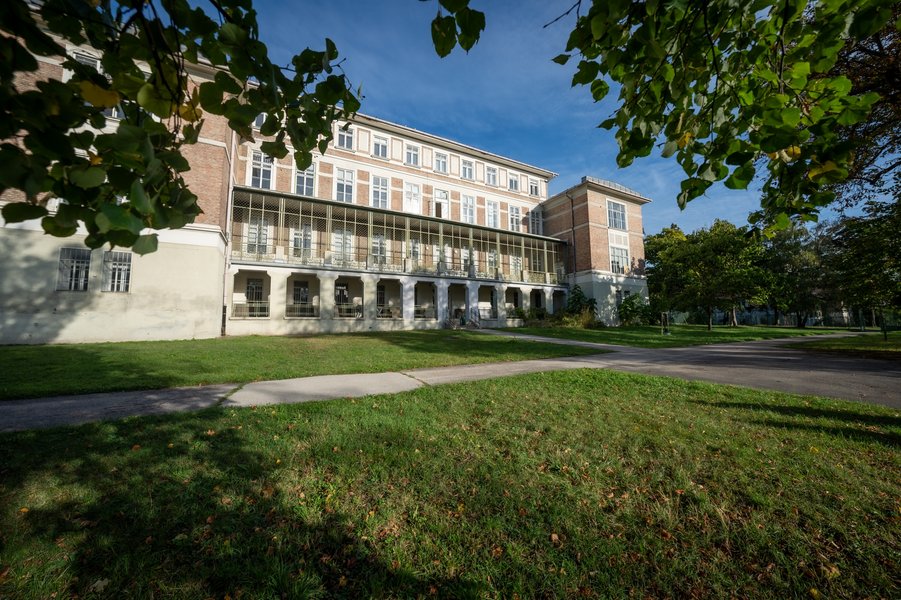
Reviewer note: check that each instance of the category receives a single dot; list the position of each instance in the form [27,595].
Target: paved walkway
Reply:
[762,365]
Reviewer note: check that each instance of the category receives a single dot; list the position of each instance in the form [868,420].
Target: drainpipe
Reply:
[572,231]
[230,159]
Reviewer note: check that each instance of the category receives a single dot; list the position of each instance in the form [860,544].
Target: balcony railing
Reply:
[302,309]
[389,312]
[250,310]
[424,312]
[349,311]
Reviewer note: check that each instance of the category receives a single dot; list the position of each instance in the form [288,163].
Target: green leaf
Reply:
[444,34]
[471,24]
[149,99]
[145,244]
[740,177]
[53,225]
[112,217]
[87,178]
[561,59]
[588,72]
[599,89]
[16,212]
[232,34]
[139,199]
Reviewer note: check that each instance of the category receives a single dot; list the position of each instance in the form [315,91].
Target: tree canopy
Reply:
[731,87]
[119,181]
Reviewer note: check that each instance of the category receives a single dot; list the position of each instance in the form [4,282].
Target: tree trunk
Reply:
[709,319]
[802,319]
[733,319]
[882,323]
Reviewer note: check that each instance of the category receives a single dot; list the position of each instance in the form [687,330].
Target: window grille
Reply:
[116,271]
[74,269]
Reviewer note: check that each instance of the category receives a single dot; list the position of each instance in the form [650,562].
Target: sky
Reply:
[505,96]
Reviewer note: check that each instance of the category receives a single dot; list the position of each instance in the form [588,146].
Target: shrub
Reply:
[578,302]
[633,310]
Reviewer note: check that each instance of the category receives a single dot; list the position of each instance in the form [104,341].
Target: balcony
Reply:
[299,310]
[272,228]
[250,310]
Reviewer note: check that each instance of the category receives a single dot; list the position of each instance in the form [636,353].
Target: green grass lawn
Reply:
[647,336]
[35,371]
[868,344]
[584,483]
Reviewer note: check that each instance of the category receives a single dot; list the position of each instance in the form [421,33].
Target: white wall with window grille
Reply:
[74,269]
[116,271]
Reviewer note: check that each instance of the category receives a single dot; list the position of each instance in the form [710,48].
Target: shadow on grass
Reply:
[203,518]
[868,427]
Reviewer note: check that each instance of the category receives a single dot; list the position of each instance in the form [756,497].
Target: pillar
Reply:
[441,293]
[370,298]
[472,300]
[408,300]
[278,293]
[327,295]
[500,296]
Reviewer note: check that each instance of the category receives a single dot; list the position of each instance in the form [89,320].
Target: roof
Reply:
[606,186]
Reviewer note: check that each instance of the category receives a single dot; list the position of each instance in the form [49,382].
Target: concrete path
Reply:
[763,365]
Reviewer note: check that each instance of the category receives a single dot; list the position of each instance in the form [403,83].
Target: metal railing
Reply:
[302,309]
[424,312]
[349,311]
[389,312]
[250,310]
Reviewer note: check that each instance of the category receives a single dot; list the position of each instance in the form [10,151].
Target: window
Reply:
[516,264]
[254,290]
[415,251]
[116,271]
[533,187]
[74,268]
[535,224]
[513,182]
[491,175]
[493,214]
[442,206]
[466,169]
[303,181]
[346,138]
[412,155]
[515,218]
[114,112]
[465,257]
[619,260]
[379,192]
[379,249]
[261,170]
[257,235]
[412,199]
[440,162]
[380,296]
[258,122]
[344,186]
[380,147]
[616,215]
[468,210]
[342,244]
[302,241]
[492,259]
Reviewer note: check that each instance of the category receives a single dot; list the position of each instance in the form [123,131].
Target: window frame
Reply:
[512,181]
[308,172]
[259,160]
[344,187]
[610,213]
[374,188]
[536,186]
[469,166]
[344,140]
[624,267]
[468,209]
[376,145]
[117,271]
[490,175]
[493,217]
[442,159]
[411,155]
[515,224]
[409,195]
[73,269]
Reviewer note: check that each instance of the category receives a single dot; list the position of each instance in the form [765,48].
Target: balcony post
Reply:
[526,293]
[327,295]
[278,293]
[500,295]
[472,298]
[441,308]
[549,300]
[408,300]
[370,297]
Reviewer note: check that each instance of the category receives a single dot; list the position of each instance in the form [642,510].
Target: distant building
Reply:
[393,228]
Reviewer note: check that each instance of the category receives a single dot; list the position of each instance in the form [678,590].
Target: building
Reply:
[393,228]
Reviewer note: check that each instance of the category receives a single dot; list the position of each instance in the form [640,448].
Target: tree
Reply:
[864,256]
[119,183]
[728,85]
[710,268]
[795,281]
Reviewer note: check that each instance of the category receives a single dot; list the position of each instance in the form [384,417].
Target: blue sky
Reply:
[505,96]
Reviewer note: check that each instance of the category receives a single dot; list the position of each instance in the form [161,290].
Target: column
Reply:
[472,300]
[408,299]
[327,295]
[278,293]
[549,300]
[370,299]
[526,293]
[441,291]
[500,294]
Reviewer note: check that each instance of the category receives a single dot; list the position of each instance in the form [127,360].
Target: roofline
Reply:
[605,186]
[432,138]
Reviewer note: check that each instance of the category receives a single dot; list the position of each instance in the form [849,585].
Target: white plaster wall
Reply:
[603,286]
[175,293]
